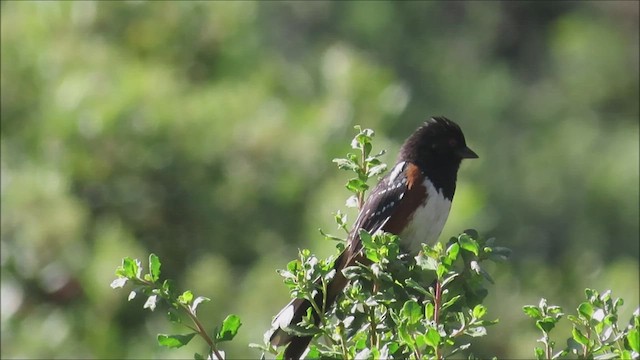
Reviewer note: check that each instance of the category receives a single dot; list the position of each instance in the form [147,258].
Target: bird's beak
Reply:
[467,153]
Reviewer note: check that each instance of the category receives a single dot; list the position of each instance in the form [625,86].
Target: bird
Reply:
[412,201]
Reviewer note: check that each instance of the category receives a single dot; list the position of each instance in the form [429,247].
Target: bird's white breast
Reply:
[427,221]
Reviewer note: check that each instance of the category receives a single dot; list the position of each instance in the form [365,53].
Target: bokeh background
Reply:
[204,132]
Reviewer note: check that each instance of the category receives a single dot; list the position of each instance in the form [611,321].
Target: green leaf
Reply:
[366,239]
[168,287]
[411,311]
[357,185]
[533,311]
[449,279]
[625,355]
[313,353]
[130,267]
[229,329]
[468,243]
[539,353]
[633,338]
[479,311]
[546,324]
[452,301]
[432,337]
[412,284]
[429,310]
[197,356]
[585,309]
[154,267]
[186,298]
[453,251]
[579,336]
[441,271]
[174,341]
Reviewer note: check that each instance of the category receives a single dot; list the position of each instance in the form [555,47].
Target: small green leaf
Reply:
[452,301]
[229,329]
[610,320]
[633,338]
[468,243]
[313,353]
[429,310]
[579,336]
[533,311]
[168,287]
[432,338]
[546,324]
[449,279]
[585,309]
[411,311]
[539,352]
[366,239]
[479,311]
[130,267]
[186,298]
[197,356]
[452,251]
[626,355]
[412,284]
[174,341]
[154,267]
[441,271]
[357,185]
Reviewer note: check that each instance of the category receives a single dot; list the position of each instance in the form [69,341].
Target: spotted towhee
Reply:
[412,201]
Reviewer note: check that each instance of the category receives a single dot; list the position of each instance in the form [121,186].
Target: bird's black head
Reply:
[438,140]
[437,148]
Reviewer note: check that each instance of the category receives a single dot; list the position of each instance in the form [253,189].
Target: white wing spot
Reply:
[396,171]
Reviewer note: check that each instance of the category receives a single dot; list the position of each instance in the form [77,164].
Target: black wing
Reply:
[382,202]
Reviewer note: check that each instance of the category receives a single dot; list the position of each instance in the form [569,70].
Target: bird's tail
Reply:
[295,310]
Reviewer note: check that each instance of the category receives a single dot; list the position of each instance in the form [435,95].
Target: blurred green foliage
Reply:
[204,132]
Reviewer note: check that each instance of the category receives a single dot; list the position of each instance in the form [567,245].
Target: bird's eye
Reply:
[453,142]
